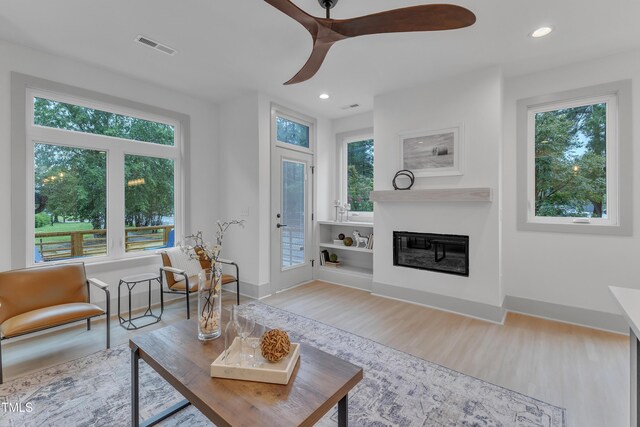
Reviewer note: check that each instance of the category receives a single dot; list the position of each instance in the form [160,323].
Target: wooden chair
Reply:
[186,284]
[39,298]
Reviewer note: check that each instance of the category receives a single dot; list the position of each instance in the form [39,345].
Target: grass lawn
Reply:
[65,226]
[61,226]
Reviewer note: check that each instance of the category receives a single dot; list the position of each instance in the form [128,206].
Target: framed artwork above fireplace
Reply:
[434,152]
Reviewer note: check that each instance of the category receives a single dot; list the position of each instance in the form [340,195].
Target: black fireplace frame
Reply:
[436,236]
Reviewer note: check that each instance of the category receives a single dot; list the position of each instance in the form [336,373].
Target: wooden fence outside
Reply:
[72,244]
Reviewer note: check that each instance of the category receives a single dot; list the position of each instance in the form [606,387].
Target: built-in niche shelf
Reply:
[356,263]
[345,248]
[349,269]
[481,194]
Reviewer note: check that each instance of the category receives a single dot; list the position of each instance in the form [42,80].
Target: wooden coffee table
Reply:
[319,381]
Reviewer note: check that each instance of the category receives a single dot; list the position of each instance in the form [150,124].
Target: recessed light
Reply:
[541,32]
[324,96]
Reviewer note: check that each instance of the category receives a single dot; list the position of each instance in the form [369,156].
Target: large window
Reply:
[570,145]
[357,174]
[104,181]
[573,161]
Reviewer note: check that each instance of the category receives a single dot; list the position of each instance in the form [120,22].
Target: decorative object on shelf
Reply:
[333,258]
[344,209]
[360,239]
[210,280]
[324,257]
[436,152]
[348,241]
[403,174]
[275,345]
[336,205]
[341,236]
[370,243]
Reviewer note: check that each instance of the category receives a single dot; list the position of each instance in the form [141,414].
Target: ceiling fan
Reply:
[327,31]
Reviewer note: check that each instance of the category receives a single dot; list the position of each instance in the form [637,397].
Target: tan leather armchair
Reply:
[34,299]
[178,282]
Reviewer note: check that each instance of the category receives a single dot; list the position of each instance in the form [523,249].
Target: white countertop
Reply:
[629,301]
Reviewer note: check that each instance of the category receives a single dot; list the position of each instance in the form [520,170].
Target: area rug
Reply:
[397,390]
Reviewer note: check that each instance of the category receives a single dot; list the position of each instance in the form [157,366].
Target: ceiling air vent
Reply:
[161,47]
[349,107]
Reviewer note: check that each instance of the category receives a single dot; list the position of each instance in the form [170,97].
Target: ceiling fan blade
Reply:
[290,9]
[431,17]
[313,64]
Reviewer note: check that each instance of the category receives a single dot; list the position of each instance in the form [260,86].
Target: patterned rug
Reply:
[397,390]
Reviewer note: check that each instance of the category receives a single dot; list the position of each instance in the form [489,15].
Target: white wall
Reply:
[475,100]
[239,182]
[353,123]
[564,268]
[204,134]
[245,168]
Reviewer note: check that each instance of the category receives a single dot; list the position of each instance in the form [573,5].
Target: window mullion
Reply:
[100,142]
[115,202]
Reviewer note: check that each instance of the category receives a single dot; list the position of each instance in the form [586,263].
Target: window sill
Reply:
[577,228]
[129,261]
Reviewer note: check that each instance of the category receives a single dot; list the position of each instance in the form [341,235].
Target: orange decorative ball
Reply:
[275,345]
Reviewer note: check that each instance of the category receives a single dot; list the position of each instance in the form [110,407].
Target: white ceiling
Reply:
[228,47]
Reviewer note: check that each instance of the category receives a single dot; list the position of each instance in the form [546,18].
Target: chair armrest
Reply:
[99,283]
[174,271]
[233,263]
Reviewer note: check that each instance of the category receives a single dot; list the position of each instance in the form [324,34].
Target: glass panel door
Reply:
[292,231]
[293,214]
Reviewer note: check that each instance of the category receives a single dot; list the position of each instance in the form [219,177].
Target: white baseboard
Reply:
[593,319]
[477,310]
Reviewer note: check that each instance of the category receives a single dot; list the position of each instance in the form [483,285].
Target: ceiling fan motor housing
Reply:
[328,3]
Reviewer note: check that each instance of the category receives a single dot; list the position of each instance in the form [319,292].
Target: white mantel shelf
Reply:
[481,194]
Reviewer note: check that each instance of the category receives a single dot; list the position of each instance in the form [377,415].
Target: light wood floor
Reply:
[583,370]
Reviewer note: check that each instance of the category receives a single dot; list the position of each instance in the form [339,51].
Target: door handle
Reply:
[280,225]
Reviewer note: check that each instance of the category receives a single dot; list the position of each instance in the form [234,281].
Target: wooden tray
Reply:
[275,373]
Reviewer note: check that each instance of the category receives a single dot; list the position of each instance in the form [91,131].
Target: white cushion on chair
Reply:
[182,261]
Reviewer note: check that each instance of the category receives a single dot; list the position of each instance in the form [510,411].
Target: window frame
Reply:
[285,113]
[344,141]
[617,97]
[116,149]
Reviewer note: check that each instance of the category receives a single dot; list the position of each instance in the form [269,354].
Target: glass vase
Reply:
[210,303]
